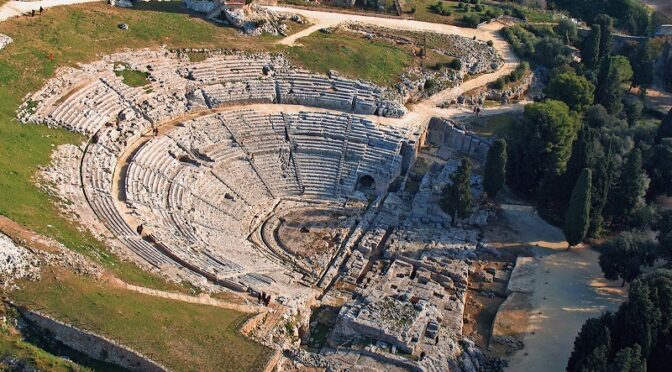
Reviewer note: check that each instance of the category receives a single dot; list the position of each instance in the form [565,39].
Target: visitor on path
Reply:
[41,10]
[32,13]
[139,229]
[478,111]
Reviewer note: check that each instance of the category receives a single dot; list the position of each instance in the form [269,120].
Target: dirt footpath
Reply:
[568,289]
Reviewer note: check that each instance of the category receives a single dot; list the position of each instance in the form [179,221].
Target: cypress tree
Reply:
[583,154]
[613,72]
[602,180]
[591,48]
[665,128]
[606,39]
[456,199]
[495,168]
[642,65]
[631,187]
[578,212]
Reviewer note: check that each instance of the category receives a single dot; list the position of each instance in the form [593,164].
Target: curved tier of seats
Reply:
[196,189]
[86,98]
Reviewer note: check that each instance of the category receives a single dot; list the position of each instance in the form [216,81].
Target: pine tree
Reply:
[578,213]
[456,199]
[495,168]
[591,48]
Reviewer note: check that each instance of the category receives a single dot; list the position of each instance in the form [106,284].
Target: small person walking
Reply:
[32,13]
[41,10]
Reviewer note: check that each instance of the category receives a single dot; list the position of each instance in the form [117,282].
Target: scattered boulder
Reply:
[4,41]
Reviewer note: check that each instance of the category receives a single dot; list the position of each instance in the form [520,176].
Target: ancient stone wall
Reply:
[91,344]
[444,133]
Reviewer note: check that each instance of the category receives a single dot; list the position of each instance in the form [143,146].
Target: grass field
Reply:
[132,78]
[182,336]
[351,55]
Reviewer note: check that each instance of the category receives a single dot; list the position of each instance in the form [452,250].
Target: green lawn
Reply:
[352,56]
[182,336]
[132,78]
[77,34]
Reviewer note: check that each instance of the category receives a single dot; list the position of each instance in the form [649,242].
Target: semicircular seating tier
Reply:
[86,98]
[198,188]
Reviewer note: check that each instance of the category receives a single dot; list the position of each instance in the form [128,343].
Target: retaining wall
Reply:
[91,344]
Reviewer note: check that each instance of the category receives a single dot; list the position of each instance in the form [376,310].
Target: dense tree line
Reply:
[588,122]
[630,15]
[637,337]
[595,163]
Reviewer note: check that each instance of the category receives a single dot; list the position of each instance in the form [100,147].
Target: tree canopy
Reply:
[540,144]
[637,335]
[574,90]
[456,199]
[624,256]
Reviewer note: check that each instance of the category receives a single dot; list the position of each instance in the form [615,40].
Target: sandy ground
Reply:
[569,289]
[489,32]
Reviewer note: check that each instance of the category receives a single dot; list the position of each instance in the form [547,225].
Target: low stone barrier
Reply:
[93,345]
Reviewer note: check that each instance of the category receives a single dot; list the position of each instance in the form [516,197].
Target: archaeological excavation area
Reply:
[237,172]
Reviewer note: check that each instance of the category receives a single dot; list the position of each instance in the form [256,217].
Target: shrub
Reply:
[490,43]
[498,84]
[471,20]
[455,64]
[439,9]
[430,84]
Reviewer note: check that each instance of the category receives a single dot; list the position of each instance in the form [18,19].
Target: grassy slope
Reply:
[74,34]
[184,337]
[351,55]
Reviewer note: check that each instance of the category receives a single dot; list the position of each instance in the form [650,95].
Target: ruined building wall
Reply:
[443,133]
